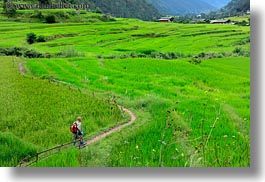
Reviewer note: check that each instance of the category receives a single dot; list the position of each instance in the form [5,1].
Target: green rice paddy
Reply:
[188,85]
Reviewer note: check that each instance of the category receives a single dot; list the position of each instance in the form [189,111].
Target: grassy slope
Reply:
[196,94]
[40,112]
[13,149]
[239,18]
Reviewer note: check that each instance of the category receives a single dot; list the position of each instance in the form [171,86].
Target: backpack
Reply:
[73,127]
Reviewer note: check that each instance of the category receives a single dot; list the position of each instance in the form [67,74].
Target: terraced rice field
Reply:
[188,84]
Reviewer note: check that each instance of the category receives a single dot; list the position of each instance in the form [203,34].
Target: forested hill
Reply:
[236,7]
[182,7]
[233,8]
[126,8]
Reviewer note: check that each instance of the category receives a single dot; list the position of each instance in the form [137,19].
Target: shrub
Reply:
[243,23]
[20,51]
[195,61]
[201,55]
[133,54]
[41,38]
[37,14]
[243,41]
[14,51]
[212,55]
[171,55]
[239,51]
[31,38]
[50,19]
[32,54]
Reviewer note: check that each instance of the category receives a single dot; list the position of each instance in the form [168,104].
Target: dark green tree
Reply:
[31,38]
[50,19]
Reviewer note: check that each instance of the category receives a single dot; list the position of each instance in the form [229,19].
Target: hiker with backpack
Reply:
[76,129]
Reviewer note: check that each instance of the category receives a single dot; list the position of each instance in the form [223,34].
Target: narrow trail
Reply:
[115,129]
[28,161]
[21,69]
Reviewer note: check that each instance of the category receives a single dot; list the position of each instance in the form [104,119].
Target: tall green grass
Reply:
[40,112]
[204,94]
[13,149]
[70,158]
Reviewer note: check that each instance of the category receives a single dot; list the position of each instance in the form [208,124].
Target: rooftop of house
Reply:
[220,21]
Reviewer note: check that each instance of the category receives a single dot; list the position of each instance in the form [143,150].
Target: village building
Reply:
[220,21]
[166,19]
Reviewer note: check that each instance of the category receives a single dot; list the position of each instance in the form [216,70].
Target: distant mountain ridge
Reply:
[233,8]
[217,3]
[236,7]
[182,7]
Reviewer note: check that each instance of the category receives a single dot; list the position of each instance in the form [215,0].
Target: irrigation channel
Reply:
[30,160]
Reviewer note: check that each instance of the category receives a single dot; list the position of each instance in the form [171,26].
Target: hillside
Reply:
[233,8]
[182,7]
[43,120]
[217,3]
[126,8]
[236,7]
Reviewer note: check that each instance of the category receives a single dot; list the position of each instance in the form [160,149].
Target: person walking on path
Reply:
[79,132]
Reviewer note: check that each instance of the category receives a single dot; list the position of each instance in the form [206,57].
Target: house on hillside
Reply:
[166,19]
[220,21]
